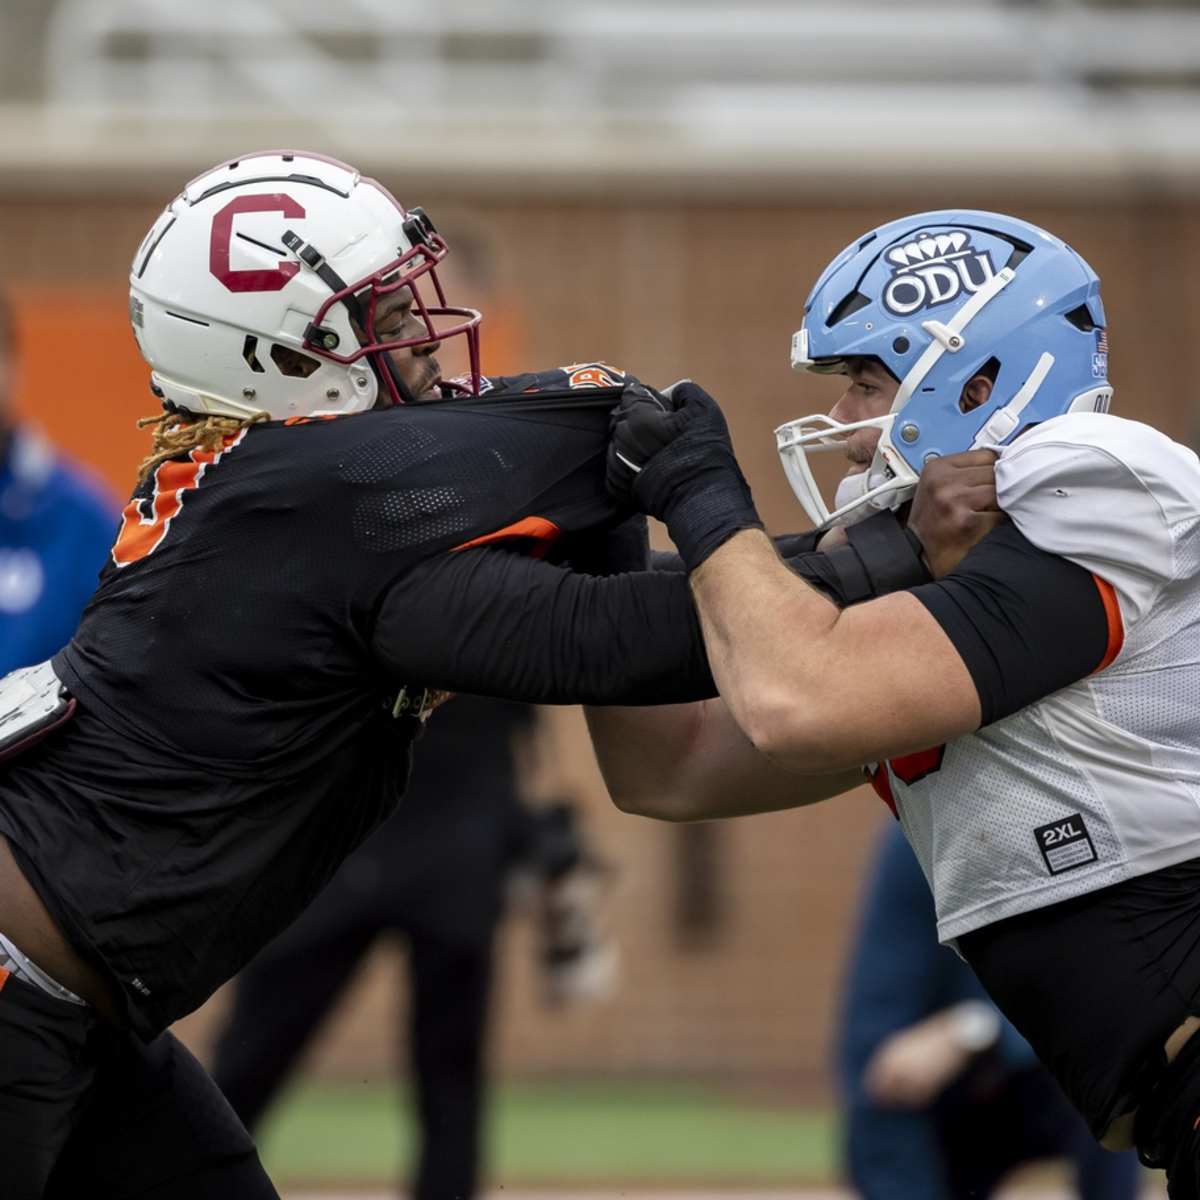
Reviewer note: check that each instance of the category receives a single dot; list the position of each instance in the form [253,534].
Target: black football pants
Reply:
[1167,1127]
[1021,1117]
[285,993]
[89,1110]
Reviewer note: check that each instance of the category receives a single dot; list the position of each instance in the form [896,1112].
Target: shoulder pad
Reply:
[1103,492]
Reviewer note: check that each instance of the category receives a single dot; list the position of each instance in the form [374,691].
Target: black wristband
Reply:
[890,555]
[853,582]
[705,514]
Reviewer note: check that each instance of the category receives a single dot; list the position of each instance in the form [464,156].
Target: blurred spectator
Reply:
[435,874]
[56,526]
[941,1096]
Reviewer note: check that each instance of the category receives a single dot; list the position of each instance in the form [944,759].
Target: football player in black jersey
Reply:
[309,562]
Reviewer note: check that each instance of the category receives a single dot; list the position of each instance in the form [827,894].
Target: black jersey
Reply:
[236,667]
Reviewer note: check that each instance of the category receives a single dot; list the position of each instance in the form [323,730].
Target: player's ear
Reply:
[976,391]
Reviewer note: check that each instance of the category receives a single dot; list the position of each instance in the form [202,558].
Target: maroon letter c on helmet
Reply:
[222,234]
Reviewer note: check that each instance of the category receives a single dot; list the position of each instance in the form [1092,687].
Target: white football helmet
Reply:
[277,252]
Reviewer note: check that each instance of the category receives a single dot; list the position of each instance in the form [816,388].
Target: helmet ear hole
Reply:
[292,363]
[978,389]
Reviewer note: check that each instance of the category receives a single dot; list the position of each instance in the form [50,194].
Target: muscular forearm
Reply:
[751,608]
[691,762]
[817,689]
[877,557]
[643,753]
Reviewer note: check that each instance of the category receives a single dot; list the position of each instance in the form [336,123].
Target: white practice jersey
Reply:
[1100,781]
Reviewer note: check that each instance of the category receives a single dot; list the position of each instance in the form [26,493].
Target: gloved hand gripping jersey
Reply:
[671,455]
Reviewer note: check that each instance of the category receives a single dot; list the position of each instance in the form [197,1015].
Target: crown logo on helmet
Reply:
[933,269]
[928,248]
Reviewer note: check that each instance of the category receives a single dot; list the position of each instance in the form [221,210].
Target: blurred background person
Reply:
[941,1097]
[57,524]
[435,875]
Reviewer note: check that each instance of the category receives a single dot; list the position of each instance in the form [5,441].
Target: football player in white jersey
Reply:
[1031,713]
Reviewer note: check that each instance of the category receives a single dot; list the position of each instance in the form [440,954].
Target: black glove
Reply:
[670,456]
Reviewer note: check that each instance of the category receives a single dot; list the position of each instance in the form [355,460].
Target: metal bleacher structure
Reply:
[569,91]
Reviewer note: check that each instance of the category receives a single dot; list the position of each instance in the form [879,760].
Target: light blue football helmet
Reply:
[936,297]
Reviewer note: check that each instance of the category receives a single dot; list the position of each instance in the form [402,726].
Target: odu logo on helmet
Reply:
[932,269]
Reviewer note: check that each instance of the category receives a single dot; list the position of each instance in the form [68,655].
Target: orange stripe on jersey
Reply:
[3,978]
[173,479]
[288,421]
[139,537]
[1116,627]
[537,528]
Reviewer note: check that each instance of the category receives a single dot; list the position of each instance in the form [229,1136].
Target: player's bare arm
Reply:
[693,762]
[793,676]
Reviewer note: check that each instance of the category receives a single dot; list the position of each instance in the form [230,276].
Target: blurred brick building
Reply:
[732,942]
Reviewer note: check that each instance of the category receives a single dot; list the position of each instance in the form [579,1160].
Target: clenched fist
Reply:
[955,507]
[670,457]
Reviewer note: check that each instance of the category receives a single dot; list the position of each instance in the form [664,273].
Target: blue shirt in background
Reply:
[57,526]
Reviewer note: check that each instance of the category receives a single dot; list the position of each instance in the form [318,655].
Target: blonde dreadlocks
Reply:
[176,433]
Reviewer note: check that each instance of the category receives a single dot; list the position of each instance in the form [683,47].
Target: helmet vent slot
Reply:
[292,363]
[1081,318]
[850,304]
[217,188]
[250,354]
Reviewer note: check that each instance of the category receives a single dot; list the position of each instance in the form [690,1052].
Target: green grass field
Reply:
[569,1135]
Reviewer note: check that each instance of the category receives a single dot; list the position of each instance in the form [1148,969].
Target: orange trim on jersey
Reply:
[3,978]
[1116,627]
[173,479]
[537,528]
[289,421]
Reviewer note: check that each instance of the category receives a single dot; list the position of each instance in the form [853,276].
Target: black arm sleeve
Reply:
[1026,623]
[881,557]
[495,623]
